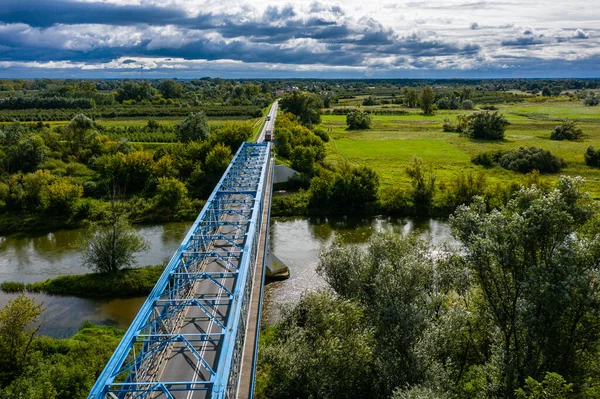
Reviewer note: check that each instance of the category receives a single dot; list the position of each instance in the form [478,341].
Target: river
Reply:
[296,241]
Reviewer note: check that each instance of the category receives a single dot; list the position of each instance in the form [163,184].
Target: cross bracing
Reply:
[187,339]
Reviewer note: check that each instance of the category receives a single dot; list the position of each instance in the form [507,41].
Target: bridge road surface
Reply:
[270,124]
[179,364]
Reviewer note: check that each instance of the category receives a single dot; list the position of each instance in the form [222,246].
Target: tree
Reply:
[423,183]
[554,386]
[370,100]
[62,195]
[354,189]
[546,92]
[303,159]
[112,246]
[138,92]
[566,131]
[20,150]
[534,252]
[193,127]
[79,132]
[466,93]
[170,192]
[217,161]
[306,106]
[427,100]
[232,134]
[401,287]
[321,349]
[18,325]
[170,89]
[486,125]
[358,120]
[411,97]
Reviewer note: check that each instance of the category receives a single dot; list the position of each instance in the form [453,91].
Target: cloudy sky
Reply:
[268,38]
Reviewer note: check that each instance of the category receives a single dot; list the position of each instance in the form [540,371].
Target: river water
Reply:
[296,241]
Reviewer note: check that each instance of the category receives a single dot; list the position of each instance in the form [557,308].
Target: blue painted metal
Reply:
[235,205]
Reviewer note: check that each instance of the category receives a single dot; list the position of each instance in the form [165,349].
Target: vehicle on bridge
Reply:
[269,135]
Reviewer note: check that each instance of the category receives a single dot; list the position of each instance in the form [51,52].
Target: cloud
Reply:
[581,34]
[387,37]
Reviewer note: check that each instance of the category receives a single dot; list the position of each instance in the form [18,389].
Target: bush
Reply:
[358,120]
[370,100]
[12,286]
[486,125]
[488,158]
[467,104]
[592,157]
[567,131]
[525,160]
[461,124]
[322,134]
[591,99]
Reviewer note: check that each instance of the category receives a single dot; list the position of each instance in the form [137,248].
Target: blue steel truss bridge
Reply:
[196,334]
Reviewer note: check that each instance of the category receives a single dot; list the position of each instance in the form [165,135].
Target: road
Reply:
[270,123]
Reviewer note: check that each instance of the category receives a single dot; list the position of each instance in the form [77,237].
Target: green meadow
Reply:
[393,139]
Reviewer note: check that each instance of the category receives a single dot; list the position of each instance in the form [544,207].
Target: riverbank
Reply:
[121,284]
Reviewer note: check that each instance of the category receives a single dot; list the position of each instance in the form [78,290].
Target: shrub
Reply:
[322,134]
[525,160]
[358,120]
[592,157]
[467,104]
[486,125]
[370,100]
[12,286]
[461,124]
[567,131]
[488,158]
[591,99]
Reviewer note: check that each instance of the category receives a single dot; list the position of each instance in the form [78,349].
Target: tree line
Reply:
[513,312]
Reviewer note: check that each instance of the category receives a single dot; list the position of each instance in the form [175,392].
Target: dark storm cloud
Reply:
[45,13]
[324,35]
[317,34]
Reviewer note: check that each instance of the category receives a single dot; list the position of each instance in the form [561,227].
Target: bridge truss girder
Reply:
[210,275]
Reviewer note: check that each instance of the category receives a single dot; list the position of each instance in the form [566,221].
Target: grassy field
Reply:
[388,146]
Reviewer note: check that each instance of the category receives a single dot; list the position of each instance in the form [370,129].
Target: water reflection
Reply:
[63,316]
[298,242]
[36,258]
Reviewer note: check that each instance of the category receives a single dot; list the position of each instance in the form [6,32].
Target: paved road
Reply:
[269,124]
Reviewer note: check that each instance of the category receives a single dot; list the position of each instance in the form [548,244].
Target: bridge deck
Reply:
[187,339]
